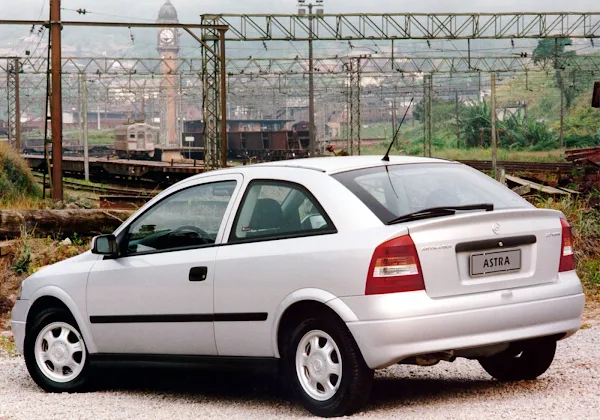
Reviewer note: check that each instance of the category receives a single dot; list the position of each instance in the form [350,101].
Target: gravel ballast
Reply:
[460,390]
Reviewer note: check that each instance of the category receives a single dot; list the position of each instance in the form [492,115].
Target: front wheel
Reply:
[326,369]
[521,361]
[55,353]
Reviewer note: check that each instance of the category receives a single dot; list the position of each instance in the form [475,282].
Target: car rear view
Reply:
[467,268]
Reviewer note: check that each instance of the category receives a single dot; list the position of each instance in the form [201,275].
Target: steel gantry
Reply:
[370,64]
[381,26]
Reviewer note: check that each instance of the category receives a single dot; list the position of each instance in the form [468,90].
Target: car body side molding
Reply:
[222,317]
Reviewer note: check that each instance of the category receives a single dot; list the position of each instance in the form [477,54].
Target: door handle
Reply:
[198,273]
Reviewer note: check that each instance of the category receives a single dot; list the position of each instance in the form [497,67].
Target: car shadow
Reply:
[269,391]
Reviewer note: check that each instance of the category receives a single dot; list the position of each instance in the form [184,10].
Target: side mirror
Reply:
[105,245]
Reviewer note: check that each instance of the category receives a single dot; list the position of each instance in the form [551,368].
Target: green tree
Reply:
[553,50]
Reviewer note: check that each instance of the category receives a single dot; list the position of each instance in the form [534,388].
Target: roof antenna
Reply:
[386,158]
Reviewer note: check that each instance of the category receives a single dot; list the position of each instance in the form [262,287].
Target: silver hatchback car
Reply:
[324,269]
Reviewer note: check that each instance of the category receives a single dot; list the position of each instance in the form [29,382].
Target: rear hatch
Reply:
[487,251]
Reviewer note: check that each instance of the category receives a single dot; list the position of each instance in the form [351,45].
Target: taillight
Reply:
[567,260]
[395,268]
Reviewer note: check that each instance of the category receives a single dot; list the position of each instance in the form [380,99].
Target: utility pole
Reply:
[55,100]
[311,86]
[427,108]
[425,113]
[14,103]
[223,97]
[493,119]
[311,94]
[394,123]
[84,112]
[562,115]
[457,123]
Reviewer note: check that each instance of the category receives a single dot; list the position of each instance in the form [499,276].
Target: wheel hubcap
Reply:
[319,365]
[60,352]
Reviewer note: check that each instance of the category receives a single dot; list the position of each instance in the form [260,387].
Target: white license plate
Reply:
[485,263]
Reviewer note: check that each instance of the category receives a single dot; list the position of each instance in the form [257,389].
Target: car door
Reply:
[279,239]
[157,297]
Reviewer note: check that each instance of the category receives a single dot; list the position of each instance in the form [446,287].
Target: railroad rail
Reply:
[517,166]
[102,189]
[158,173]
[163,173]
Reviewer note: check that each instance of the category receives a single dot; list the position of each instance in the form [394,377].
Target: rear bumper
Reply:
[386,341]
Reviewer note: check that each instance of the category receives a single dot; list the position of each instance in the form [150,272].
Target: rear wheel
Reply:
[521,361]
[325,368]
[55,353]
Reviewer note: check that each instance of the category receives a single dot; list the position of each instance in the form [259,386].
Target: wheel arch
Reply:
[303,299]
[53,296]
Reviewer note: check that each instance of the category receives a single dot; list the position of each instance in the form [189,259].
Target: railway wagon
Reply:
[271,144]
[136,141]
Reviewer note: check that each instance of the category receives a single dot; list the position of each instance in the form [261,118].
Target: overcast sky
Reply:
[190,9]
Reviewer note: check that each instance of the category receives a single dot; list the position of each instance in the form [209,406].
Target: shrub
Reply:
[16,182]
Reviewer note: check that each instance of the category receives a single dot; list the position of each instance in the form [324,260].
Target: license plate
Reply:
[486,263]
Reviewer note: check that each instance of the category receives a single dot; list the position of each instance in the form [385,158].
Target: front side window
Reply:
[186,219]
[275,209]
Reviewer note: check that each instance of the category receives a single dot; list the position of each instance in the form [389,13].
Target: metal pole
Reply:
[311,93]
[425,113]
[55,100]
[180,113]
[223,99]
[493,119]
[430,118]
[394,123]
[17,108]
[457,123]
[98,110]
[562,113]
[84,111]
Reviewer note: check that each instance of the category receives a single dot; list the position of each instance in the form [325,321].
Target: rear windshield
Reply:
[397,190]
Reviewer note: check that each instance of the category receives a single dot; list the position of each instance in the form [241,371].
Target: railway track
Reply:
[118,191]
[517,166]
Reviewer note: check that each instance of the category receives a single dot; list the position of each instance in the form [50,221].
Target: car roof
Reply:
[329,165]
[336,164]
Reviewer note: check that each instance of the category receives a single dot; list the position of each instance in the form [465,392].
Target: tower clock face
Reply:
[167,36]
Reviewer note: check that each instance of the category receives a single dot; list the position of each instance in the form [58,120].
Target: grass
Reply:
[95,137]
[27,255]
[585,224]
[475,154]
[7,346]
[17,186]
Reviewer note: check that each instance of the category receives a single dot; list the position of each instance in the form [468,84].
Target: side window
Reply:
[187,219]
[275,209]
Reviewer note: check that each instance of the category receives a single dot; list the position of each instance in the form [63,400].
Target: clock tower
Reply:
[168,48]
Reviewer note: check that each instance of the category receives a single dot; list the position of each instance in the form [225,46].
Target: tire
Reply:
[55,353]
[521,362]
[336,346]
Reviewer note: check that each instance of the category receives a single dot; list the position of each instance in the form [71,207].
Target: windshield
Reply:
[397,190]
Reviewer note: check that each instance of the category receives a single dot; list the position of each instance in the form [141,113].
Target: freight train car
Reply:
[263,139]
